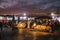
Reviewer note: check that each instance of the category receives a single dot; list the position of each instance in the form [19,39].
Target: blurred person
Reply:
[10,24]
[57,25]
[52,25]
[4,23]
[38,21]
[41,22]
[31,24]
[1,26]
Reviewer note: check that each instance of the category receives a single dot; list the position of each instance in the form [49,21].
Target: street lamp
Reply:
[24,14]
[52,14]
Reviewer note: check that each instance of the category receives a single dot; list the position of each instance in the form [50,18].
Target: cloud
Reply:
[46,6]
[57,3]
[8,3]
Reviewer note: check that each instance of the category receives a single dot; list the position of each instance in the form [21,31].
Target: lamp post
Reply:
[53,15]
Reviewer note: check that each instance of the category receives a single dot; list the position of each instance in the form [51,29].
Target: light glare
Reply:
[52,14]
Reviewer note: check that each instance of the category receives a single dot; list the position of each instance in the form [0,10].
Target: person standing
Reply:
[1,26]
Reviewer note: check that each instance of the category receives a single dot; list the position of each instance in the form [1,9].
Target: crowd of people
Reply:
[5,24]
[55,25]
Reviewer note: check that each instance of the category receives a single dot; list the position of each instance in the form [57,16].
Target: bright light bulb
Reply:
[24,14]
[24,17]
[0,17]
[52,14]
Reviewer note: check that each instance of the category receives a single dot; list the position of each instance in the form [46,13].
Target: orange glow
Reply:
[42,27]
[21,25]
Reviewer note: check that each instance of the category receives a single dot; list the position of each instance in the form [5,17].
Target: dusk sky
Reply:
[29,4]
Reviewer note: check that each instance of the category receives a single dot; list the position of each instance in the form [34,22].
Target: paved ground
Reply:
[27,34]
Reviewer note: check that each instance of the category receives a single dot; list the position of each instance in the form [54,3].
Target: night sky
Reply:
[29,5]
